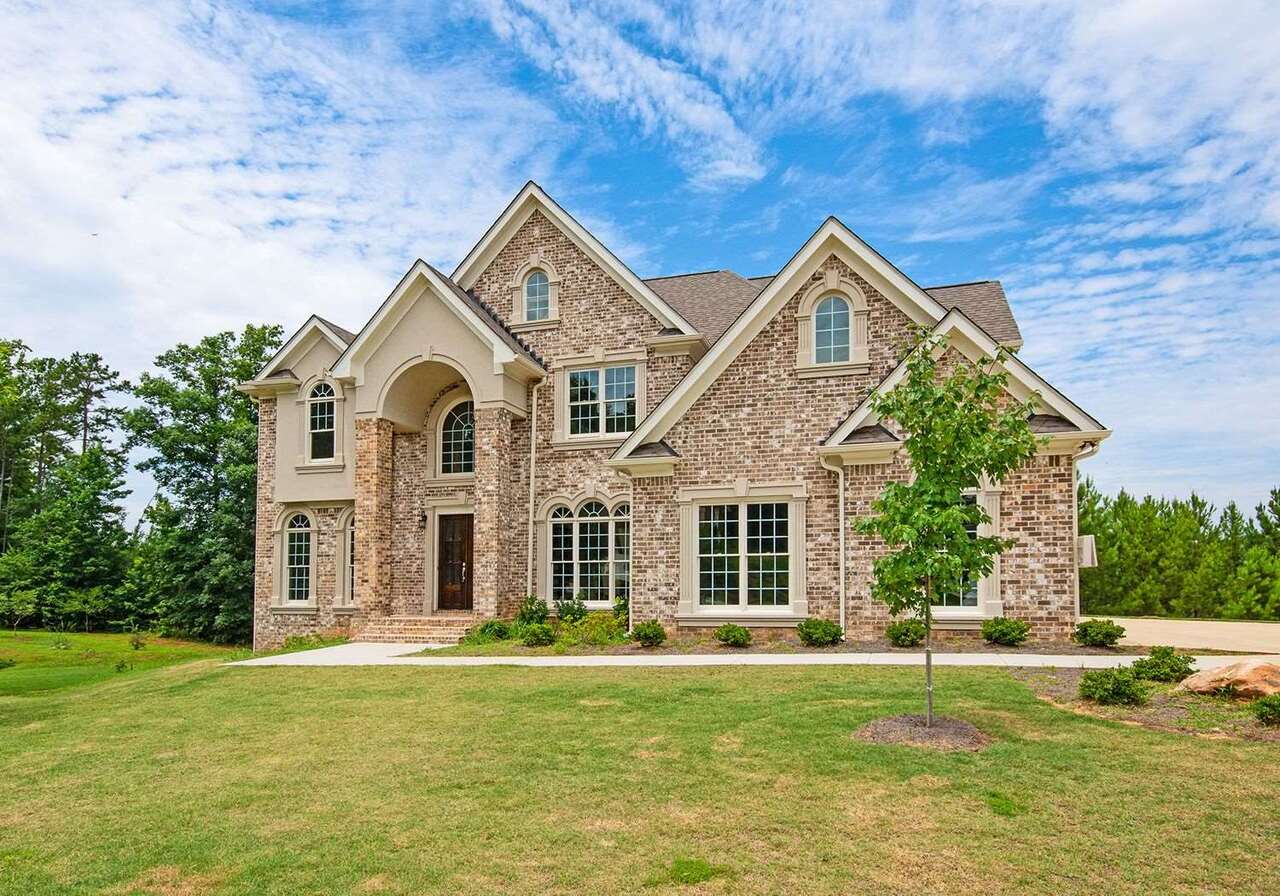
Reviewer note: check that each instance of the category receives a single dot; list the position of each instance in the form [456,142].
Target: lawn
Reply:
[47,661]
[199,778]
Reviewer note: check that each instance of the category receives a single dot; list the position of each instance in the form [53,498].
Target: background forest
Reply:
[68,559]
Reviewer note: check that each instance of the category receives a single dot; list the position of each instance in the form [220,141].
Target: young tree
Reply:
[202,438]
[960,426]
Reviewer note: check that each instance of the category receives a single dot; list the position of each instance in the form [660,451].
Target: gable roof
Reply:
[1057,414]
[314,325]
[476,314]
[533,198]
[832,238]
[984,303]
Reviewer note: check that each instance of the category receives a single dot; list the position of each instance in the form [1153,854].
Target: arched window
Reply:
[537,296]
[298,558]
[320,422]
[458,439]
[831,331]
[350,590]
[591,552]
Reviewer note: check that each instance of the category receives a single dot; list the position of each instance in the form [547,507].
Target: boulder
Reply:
[1248,678]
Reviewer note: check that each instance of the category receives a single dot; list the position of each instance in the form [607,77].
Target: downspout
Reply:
[839,471]
[1088,451]
[533,461]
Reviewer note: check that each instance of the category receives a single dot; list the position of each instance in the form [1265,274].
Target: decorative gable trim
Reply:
[975,344]
[314,329]
[532,198]
[832,238]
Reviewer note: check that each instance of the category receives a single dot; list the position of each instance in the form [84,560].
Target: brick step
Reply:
[438,629]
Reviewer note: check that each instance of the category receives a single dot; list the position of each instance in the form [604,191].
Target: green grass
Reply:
[48,661]
[205,779]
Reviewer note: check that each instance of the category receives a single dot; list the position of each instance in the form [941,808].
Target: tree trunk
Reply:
[928,653]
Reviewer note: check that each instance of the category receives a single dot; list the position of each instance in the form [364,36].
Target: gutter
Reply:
[533,461]
[839,471]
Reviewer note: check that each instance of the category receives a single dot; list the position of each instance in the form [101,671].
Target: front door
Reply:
[454,569]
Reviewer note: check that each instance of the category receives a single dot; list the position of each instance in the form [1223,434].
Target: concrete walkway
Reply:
[1203,634]
[364,654]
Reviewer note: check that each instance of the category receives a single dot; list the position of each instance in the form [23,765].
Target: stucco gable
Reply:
[317,338]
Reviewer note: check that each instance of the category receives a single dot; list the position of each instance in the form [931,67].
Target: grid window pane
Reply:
[620,399]
[831,331]
[458,440]
[584,402]
[967,596]
[593,559]
[351,563]
[621,557]
[537,297]
[718,560]
[562,559]
[321,413]
[298,559]
[768,555]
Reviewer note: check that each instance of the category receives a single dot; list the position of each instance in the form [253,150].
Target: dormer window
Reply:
[537,297]
[832,327]
[831,331]
[321,422]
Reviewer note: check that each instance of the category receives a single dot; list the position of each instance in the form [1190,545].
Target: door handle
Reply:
[464,570]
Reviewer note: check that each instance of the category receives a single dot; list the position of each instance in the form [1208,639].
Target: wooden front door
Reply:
[454,564]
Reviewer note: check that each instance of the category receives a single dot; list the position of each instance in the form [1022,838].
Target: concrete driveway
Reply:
[1197,634]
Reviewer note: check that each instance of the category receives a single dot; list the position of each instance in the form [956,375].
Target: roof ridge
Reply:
[489,311]
[694,274]
[965,283]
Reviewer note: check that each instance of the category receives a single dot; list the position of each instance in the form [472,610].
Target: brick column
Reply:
[373,516]
[264,553]
[496,499]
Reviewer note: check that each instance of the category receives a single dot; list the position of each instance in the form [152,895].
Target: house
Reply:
[543,421]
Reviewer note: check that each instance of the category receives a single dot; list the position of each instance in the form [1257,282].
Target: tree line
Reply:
[1180,557]
[67,429]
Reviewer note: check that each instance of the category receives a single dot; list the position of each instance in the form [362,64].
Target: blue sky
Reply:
[169,169]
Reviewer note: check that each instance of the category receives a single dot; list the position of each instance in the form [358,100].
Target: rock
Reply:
[1248,678]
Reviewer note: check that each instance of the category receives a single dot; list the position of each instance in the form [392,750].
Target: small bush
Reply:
[1098,633]
[1112,687]
[571,609]
[649,634]
[905,632]
[1009,632]
[137,641]
[533,611]
[598,629]
[731,635]
[1267,709]
[622,607]
[819,632]
[488,632]
[538,634]
[61,643]
[122,666]
[6,663]
[1164,664]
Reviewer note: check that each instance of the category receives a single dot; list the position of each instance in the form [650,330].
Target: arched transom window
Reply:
[298,558]
[321,419]
[831,331]
[591,552]
[537,296]
[458,439]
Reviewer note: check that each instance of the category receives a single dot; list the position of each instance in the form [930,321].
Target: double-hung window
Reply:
[298,558]
[967,596]
[744,554]
[321,417]
[591,552]
[602,401]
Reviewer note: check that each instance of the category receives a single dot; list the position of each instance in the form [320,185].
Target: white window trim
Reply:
[990,603]
[576,521]
[832,284]
[279,595]
[537,261]
[597,360]
[794,495]
[344,575]
[438,433]
[306,463]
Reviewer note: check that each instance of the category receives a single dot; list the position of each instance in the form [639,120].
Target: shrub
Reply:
[62,642]
[1098,633]
[571,609]
[533,611]
[137,641]
[538,634]
[1164,664]
[818,632]
[649,634]
[1009,632]
[622,607]
[597,629]
[1112,687]
[488,632]
[1267,709]
[905,632]
[731,635]
[122,666]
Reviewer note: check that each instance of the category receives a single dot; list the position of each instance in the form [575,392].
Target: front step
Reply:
[443,628]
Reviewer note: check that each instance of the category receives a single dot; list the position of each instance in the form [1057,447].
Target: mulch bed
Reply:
[946,734]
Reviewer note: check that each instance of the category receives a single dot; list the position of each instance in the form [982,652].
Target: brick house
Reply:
[543,421]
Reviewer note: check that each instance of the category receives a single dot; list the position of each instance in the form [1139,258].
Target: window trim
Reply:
[601,361]
[832,284]
[537,262]
[990,603]
[344,560]
[306,463]
[794,495]
[279,591]
[611,517]
[445,408]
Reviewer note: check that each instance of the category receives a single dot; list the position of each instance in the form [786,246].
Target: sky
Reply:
[172,169]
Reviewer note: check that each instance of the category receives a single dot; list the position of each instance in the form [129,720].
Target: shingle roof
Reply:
[489,316]
[654,449]
[711,300]
[873,433]
[1051,423]
[346,335]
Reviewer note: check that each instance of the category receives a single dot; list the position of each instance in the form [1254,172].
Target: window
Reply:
[537,297]
[765,554]
[831,331]
[611,410]
[298,558]
[321,417]
[967,596]
[350,590]
[591,552]
[457,440]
